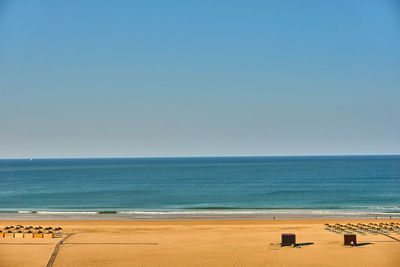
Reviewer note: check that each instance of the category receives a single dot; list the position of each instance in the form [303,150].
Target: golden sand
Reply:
[199,243]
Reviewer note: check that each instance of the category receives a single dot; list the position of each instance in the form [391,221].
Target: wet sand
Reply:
[198,243]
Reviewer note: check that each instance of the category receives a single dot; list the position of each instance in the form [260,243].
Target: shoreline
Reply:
[121,217]
[371,213]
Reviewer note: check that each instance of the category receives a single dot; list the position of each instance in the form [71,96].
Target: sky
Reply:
[199,78]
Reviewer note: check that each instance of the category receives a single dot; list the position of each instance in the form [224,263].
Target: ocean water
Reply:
[214,186]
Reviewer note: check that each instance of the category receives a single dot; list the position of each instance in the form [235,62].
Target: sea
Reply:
[201,187]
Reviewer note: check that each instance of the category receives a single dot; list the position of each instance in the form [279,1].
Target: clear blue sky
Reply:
[198,78]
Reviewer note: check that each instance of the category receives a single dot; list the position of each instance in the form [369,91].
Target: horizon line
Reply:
[210,156]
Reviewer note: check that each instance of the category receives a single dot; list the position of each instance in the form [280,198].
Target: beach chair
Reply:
[19,234]
[28,235]
[48,235]
[38,234]
[9,234]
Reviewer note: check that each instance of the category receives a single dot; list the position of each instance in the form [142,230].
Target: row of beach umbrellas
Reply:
[29,229]
[364,228]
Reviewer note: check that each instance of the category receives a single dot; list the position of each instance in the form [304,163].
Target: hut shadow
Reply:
[364,244]
[304,244]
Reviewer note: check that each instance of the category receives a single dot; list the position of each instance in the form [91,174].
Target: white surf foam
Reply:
[25,211]
[68,212]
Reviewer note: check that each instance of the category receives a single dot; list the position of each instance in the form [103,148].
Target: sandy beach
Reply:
[198,243]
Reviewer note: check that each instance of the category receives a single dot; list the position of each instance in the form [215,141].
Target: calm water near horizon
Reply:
[209,186]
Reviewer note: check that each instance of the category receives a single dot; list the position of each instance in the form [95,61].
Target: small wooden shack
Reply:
[350,240]
[288,239]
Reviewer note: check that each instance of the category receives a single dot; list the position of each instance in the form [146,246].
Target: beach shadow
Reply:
[364,244]
[304,244]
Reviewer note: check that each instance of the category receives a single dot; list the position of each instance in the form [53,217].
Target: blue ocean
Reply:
[210,186]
